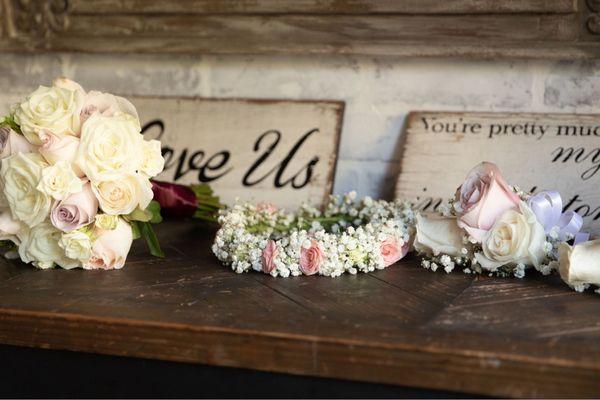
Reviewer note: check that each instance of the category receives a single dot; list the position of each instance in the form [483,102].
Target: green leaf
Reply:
[148,234]
[10,121]
[154,209]
[139,215]
[135,230]
[150,214]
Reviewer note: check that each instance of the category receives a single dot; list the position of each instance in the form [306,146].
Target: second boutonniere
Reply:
[75,179]
[492,227]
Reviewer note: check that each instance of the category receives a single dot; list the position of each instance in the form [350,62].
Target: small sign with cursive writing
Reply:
[258,150]
[534,151]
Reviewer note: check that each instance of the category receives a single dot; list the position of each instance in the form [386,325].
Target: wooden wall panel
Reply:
[474,28]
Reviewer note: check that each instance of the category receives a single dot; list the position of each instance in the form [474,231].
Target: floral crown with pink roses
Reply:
[493,228]
[350,236]
[75,175]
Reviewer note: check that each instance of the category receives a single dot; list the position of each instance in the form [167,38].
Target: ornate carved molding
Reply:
[593,21]
[38,18]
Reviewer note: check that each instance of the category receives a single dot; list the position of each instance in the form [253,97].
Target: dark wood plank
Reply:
[403,325]
[322,7]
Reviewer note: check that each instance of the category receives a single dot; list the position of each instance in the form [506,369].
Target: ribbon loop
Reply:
[547,207]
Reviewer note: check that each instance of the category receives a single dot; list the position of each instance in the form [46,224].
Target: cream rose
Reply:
[39,245]
[11,143]
[580,264]
[110,147]
[110,249]
[516,237]
[106,222]
[66,83]
[438,235]
[152,159]
[77,246]
[123,195]
[59,181]
[19,177]
[49,109]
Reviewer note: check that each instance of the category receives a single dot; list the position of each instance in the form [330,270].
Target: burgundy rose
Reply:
[175,200]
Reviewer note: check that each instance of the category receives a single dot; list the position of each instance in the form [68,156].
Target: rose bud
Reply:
[175,200]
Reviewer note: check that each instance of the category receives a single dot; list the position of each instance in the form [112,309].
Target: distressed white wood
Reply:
[197,132]
[441,148]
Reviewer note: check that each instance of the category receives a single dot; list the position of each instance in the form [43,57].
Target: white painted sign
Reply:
[534,151]
[258,150]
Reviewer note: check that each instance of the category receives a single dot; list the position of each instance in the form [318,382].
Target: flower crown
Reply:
[75,179]
[491,227]
[348,237]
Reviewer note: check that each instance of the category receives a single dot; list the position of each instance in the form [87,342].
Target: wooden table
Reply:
[404,325]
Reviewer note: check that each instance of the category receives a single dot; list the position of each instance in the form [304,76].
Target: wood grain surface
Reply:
[559,29]
[404,325]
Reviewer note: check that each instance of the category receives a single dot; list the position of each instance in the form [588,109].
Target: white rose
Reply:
[49,108]
[9,227]
[580,264]
[109,147]
[152,159]
[515,238]
[123,195]
[59,181]
[438,235]
[39,245]
[19,176]
[110,249]
[77,245]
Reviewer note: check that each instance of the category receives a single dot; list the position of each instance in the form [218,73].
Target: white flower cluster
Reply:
[75,175]
[348,237]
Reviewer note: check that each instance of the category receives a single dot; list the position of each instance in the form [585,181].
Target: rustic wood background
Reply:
[405,325]
[442,147]
[479,28]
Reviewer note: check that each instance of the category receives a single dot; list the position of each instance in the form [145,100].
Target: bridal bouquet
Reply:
[75,175]
[494,228]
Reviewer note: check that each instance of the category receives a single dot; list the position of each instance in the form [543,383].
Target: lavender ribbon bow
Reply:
[548,208]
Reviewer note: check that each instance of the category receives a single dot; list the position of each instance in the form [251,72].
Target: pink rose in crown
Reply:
[267,207]
[268,257]
[482,199]
[311,258]
[391,252]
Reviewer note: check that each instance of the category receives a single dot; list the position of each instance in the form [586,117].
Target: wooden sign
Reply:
[256,150]
[534,151]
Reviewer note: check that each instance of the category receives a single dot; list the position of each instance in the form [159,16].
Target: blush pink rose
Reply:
[55,148]
[11,143]
[268,257]
[391,252]
[75,211]
[482,199]
[266,207]
[105,104]
[111,247]
[311,258]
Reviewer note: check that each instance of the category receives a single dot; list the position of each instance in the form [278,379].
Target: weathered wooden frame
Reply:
[422,28]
